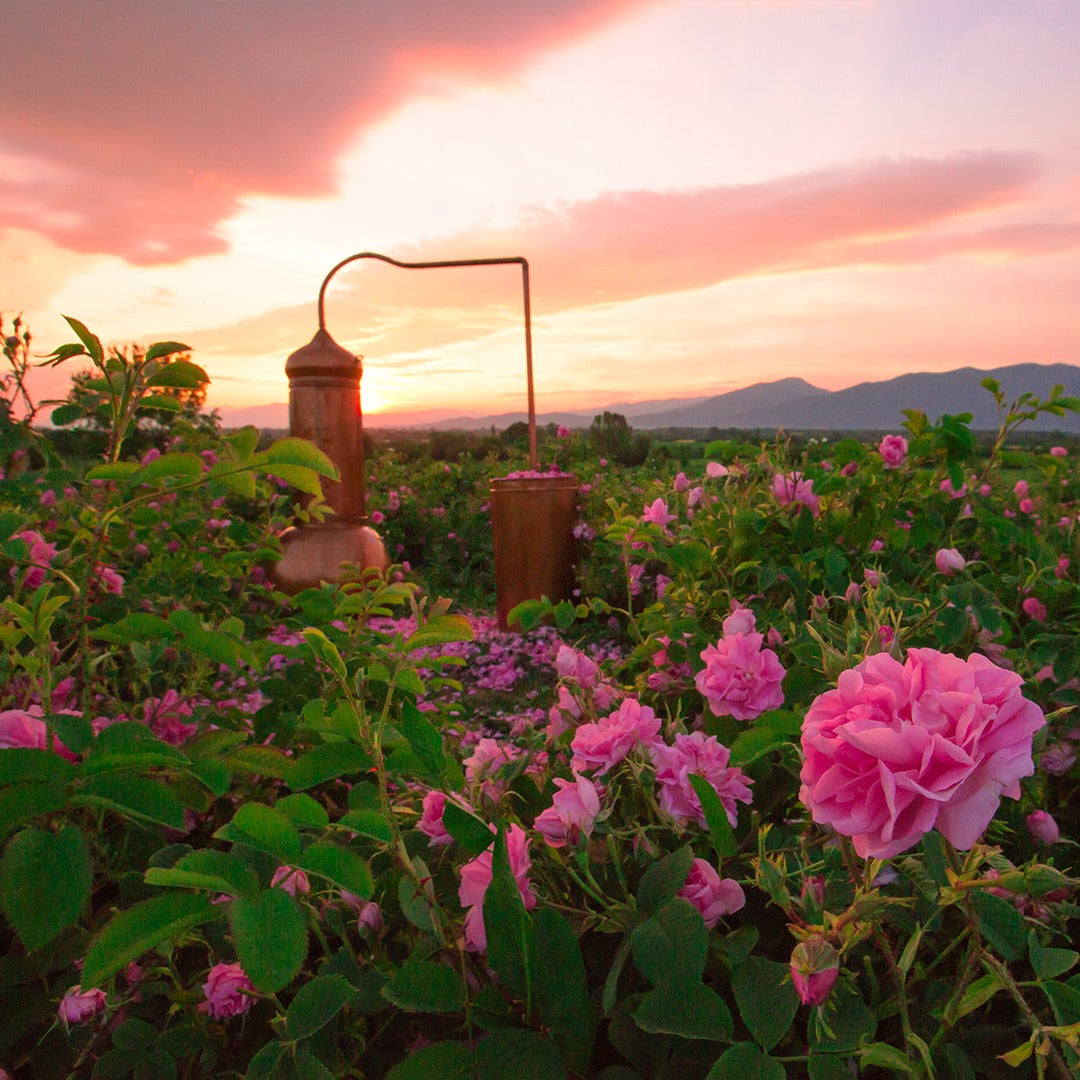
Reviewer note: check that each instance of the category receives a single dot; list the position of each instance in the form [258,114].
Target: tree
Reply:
[612,437]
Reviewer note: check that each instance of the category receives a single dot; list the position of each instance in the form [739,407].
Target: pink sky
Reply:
[710,193]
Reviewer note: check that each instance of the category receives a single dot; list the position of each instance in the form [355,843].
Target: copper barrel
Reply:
[532,521]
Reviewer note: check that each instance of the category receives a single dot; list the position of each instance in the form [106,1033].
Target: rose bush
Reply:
[352,832]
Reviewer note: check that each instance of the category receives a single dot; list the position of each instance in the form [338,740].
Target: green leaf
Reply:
[766,998]
[328,762]
[516,1053]
[723,839]
[471,832]
[887,1057]
[425,741]
[263,827]
[423,986]
[416,903]
[136,626]
[562,988]
[181,374]
[171,465]
[271,938]
[326,651]
[670,947]
[317,1003]
[159,401]
[138,797]
[45,880]
[1064,1000]
[143,927]
[22,764]
[113,470]
[690,557]
[663,879]
[745,1061]
[1049,963]
[215,871]
[368,823]
[976,995]
[770,731]
[303,810]
[338,865]
[91,342]
[21,803]
[302,479]
[65,414]
[691,1010]
[260,761]
[263,1065]
[445,1060]
[511,942]
[1001,925]
[439,630]
[292,451]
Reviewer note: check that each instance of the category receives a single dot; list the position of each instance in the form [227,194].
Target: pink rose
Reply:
[294,882]
[1021,489]
[1058,451]
[740,678]
[19,727]
[714,470]
[168,717]
[658,514]
[79,1005]
[898,749]
[574,665]
[949,559]
[563,431]
[741,621]
[369,916]
[697,754]
[431,819]
[793,488]
[893,449]
[815,965]
[110,580]
[711,894]
[227,990]
[476,877]
[574,809]
[601,745]
[1043,827]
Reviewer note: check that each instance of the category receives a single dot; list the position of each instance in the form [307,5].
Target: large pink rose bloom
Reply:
[476,877]
[740,678]
[893,449]
[697,754]
[604,744]
[899,749]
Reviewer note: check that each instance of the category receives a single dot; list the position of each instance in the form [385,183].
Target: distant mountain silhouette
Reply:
[793,404]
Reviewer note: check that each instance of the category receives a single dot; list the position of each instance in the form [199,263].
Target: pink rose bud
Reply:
[812,893]
[78,1005]
[815,965]
[370,916]
[949,559]
[871,577]
[1034,609]
[291,880]
[227,991]
[1043,827]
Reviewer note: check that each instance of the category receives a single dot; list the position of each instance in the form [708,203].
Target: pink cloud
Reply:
[133,128]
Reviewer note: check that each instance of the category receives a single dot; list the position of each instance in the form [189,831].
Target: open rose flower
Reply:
[793,488]
[893,449]
[601,745]
[573,810]
[899,749]
[740,678]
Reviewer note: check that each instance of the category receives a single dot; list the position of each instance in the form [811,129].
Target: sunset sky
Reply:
[710,193]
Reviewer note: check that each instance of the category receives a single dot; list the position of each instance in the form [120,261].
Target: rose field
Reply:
[788,788]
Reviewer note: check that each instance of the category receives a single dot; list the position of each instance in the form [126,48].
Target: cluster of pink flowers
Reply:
[476,877]
[794,488]
[898,749]
[40,555]
[741,677]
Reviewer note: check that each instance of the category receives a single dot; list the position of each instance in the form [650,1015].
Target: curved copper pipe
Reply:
[460,262]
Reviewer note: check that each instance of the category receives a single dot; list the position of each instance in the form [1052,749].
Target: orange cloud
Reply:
[133,128]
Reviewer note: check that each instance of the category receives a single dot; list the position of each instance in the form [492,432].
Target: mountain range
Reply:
[792,404]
